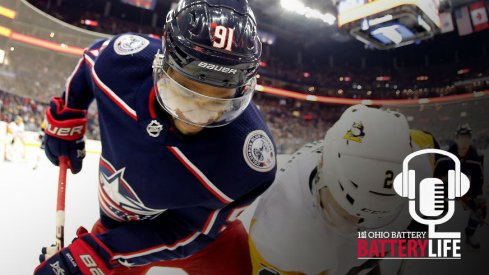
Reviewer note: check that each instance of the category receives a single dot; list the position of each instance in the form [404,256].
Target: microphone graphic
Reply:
[431,198]
[431,193]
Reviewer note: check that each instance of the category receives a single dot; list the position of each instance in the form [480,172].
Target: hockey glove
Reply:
[65,130]
[78,258]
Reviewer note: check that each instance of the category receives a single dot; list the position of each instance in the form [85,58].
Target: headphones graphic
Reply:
[430,190]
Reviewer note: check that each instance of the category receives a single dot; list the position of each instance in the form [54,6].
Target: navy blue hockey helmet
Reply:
[213,41]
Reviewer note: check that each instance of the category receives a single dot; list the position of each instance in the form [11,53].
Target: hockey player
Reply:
[472,164]
[306,223]
[15,139]
[184,152]
[41,135]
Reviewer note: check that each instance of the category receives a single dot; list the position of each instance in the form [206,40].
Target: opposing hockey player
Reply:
[41,135]
[306,223]
[184,152]
[472,164]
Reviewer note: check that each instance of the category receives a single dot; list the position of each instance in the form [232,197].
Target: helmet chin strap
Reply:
[384,221]
[330,216]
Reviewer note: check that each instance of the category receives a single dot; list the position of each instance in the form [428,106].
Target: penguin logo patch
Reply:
[130,44]
[355,133]
[154,128]
[258,151]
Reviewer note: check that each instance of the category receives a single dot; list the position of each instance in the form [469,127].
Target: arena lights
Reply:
[88,22]
[299,8]
[357,11]
[7,12]
[383,78]
[5,31]
[375,102]
[63,48]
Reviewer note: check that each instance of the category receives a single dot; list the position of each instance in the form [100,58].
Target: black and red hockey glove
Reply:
[65,130]
[79,257]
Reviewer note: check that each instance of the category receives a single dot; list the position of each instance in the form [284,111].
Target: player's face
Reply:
[200,110]
[335,214]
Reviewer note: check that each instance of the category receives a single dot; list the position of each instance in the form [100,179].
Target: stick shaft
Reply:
[60,203]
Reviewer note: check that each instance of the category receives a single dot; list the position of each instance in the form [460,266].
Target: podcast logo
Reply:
[431,202]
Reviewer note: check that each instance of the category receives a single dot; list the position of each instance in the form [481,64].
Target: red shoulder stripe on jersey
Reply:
[200,176]
[151,103]
[94,52]
[89,60]
[210,221]
[107,91]
[185,241]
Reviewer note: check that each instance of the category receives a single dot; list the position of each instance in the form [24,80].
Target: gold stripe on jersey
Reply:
[424,140]
[262,266]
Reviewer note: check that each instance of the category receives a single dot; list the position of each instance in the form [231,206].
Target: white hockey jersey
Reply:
[15,130]
[289,231]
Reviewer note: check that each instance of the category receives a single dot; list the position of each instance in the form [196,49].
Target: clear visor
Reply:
[194,108]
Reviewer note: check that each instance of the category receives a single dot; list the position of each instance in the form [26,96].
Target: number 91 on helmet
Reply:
[206,74]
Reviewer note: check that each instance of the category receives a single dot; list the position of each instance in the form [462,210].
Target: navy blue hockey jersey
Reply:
[163,195]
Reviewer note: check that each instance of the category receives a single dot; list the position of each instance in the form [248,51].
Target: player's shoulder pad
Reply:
[250,132]
[125,61]
[306,158]
[132,46]
[93,51]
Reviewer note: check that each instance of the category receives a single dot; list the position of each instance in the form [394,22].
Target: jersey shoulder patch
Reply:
[127,44]
[259,152]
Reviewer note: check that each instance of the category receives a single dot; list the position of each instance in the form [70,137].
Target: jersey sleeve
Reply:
[78,92]
[174,234]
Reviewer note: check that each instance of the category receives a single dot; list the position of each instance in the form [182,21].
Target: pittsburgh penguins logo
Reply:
[355,133]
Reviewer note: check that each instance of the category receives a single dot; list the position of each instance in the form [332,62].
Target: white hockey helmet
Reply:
[362,153]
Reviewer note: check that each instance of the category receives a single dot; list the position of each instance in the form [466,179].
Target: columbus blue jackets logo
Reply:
[117,199]
[258,151]
[129,44]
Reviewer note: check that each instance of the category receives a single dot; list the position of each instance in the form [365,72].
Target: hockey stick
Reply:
[60,203]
